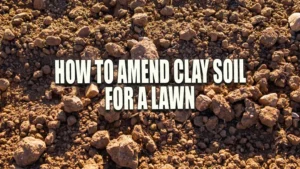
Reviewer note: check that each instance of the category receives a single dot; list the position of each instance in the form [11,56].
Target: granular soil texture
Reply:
[49,126]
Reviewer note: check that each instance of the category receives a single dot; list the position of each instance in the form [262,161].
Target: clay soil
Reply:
[252,125]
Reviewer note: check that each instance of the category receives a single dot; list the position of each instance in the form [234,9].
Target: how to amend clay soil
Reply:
[253,125]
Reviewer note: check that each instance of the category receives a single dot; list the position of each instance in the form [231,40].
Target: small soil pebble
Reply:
[72,104]
[124,151]
[144,49]
[39,4]
[202,102]
[269,116]
[91,91]
[187,34]
[268,37]
[4,84]
[167,11]
[71,120]
[140,19]
[8,35]
[114,50]
[84,32]
[221,108]
[269,100]
[29,151]
[100,139]
[53,40]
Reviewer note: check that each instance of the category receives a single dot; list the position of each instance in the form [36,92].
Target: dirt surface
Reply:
[48,126]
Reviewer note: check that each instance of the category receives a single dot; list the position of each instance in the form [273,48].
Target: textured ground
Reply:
[253,125]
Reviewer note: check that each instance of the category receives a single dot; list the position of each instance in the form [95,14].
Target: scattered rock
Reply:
[221,108]
[124,151]
[140,19]
[294,140]
[100,139]
[269,116]
[53,40]
[202,102]
[294,21]
[91,91]
[187,34]
[8,35]
[295,95]
[29,151]
[269,100]
[39,4]
[144,49]
[84,32]
[4,84]
[71,120]
[137,133]
[268,37]
[72,104]
[167,11]
[250,116]
[137,3]
[182,115]
[114,50]
[90,53]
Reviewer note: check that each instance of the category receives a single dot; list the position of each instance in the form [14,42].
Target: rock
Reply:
[144,49]
[187,34]
[140,19]
[150,144]
[263,73]
[131,43]
[167,11]
[269,100]
[294,140]
[268,37]
[167,166]
[137,133]
[212,123]
[124,151]
[202,102]
[39,4]
[4,84]
[294,82]
[256,8]
[250,116]
[53,40]
[115,50]
[137,3]
[110,116]
[72,104]
[48,20]
[294,21]
[38,42]
[164,43]
[29,151]
[71,120]
[50,137]
[269,116]
[84,32]
[46,69]
[90,166]
[209,12]
[238,95]
[182,115]
[221,108]
[92,127]
[96,8]
[8,35]
[295,96]
[100,139]
[90,53]
[91,91]
[37,74]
